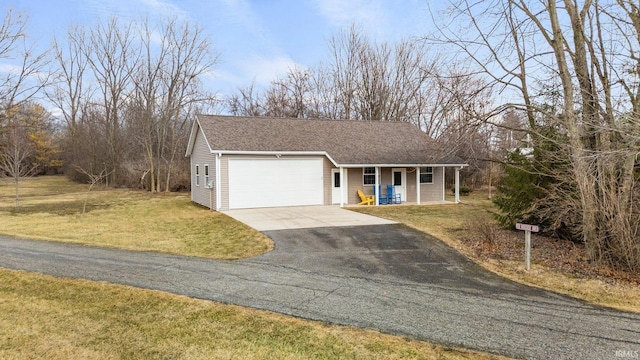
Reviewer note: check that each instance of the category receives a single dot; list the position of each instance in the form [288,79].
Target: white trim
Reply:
[218,181]
[324,153]
[418,188]
[192,137]
[403,180]
[426,173]
[207,172]
[342,188]
[457,185]
[196,170]
[401,165]
[444,187]
[375,174]
[376,187]
[275,153]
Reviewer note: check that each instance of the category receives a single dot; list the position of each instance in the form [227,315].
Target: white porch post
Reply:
[444,186]
[375,186]
[457,185]
[418,185]
[342,189]
[218,190]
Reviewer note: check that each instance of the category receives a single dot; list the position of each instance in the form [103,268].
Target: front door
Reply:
[336,186]
[399,179]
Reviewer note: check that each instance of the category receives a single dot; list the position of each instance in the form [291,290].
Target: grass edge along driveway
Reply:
[48,317]
[51,209]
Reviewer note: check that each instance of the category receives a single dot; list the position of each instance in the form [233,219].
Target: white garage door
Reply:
[275,182]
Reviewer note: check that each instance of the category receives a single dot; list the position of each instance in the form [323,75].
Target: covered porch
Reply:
[393,184]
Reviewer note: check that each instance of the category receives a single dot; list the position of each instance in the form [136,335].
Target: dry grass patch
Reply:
[556,265]
[135,220]
[47,317]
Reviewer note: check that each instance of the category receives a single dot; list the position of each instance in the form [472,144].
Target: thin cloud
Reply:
[266,69]
[166,9]
[340,12]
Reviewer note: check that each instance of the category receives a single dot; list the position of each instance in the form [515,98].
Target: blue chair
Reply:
[383,199]
[392,197]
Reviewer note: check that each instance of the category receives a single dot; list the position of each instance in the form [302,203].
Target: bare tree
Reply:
[110,53]
[18,86]
[69,91]
[25,144]
[167,87]
[245,102]
[590,51]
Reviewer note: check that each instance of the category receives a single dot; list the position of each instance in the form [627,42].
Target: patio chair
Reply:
[393,197]
[366,199]
[383,199]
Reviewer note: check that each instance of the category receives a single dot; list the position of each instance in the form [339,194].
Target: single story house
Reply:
[250,162]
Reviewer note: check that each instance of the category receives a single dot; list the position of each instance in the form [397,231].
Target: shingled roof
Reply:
[346,142]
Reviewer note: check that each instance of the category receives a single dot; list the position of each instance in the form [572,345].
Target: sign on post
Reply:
[528,229]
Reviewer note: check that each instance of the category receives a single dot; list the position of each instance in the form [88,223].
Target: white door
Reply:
[336,187]
[275,182]
[399,178]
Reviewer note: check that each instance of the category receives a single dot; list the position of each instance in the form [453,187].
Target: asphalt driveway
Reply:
[386,277]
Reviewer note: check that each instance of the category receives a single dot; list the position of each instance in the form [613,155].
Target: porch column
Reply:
[375,186]
[457,185]
[444,186]
[418,185]
[342,189]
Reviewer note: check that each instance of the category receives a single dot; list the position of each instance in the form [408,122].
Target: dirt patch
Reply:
[488,241]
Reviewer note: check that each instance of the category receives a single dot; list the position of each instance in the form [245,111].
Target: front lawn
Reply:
[49,318]
[51,209]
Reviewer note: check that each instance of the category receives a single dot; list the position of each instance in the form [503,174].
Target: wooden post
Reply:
[527,242]
[527,250]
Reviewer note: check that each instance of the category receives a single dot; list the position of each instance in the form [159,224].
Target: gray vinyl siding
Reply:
[411,185]
[326,177]
[354,180]
[433,192]
[224,183]
[201,155]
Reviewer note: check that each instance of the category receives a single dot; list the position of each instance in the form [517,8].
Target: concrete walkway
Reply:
[303,217]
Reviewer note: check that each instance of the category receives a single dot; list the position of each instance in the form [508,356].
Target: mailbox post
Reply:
[528,229]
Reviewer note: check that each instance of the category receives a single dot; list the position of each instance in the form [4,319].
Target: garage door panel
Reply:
[275,182]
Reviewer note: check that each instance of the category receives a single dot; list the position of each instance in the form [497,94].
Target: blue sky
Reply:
[257,40]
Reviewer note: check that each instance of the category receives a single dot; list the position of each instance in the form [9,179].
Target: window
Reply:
[426,175]
[369,176]
[336,179]
[197,175]
[206,175]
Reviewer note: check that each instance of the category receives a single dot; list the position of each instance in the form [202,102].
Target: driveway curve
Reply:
[384,277]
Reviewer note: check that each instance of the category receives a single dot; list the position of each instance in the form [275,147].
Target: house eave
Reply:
[275,153]
[401,165]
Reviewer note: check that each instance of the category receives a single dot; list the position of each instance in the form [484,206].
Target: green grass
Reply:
[51,208]
[49,318]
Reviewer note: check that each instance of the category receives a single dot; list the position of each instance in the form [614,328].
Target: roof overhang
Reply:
[275,153]
[324,153]
[400,165]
